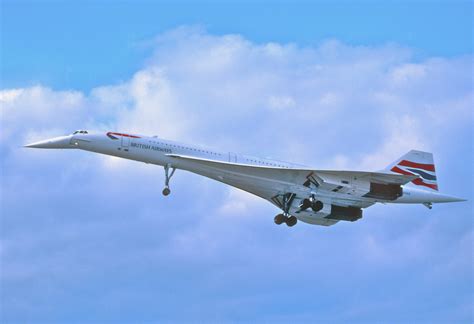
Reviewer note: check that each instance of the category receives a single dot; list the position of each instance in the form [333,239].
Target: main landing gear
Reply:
[286,217]
[289,220]
[315,205]
[168,175]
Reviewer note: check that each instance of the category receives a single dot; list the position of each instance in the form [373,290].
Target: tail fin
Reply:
[417,163]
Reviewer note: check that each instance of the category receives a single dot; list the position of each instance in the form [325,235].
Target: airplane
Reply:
[319,197]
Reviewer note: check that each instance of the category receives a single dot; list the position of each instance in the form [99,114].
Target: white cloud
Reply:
[402,134]
[405,74]
[40,108]
[10,95]
[239,204]
[198,85]
[281,102]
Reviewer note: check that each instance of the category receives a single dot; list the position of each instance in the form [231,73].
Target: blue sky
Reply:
[89,238]
[60,42]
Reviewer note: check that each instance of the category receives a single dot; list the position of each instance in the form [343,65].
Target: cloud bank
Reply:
[94,231]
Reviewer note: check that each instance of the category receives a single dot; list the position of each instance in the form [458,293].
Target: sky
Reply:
[334,85]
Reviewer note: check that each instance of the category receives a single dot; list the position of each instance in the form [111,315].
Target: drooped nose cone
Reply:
[62,142]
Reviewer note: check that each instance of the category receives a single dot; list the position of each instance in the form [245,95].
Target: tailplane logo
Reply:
[426,173]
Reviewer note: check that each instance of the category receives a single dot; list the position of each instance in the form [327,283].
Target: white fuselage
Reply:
[239,173]
[154,150]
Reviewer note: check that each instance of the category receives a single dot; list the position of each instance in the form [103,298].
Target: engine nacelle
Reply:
[327,214]
[384,191]
[350,214]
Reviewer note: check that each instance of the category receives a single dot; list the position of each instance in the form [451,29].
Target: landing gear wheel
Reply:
[317,206]
[285,206]
[166,191]
[291,221]
[279,219]
[305,204]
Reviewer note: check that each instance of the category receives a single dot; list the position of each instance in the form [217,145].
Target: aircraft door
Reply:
[125,142]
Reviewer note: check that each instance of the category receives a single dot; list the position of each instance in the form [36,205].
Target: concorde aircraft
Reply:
[321,197]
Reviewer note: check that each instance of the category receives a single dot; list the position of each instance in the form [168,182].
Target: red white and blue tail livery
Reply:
[420,164]
[310,195]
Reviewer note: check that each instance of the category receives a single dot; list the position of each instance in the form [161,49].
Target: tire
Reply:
[305,204]
[279,219]
[291,221]
[317,206]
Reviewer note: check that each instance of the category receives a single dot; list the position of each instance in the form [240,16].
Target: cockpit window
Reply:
[80,132]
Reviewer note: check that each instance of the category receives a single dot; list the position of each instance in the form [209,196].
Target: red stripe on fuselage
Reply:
[427,167]
[125,135]
[417,181]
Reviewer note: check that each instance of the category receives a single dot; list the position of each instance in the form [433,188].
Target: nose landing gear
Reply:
[166,191]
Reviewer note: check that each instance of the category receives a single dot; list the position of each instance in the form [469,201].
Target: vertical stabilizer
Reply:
[420,164]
